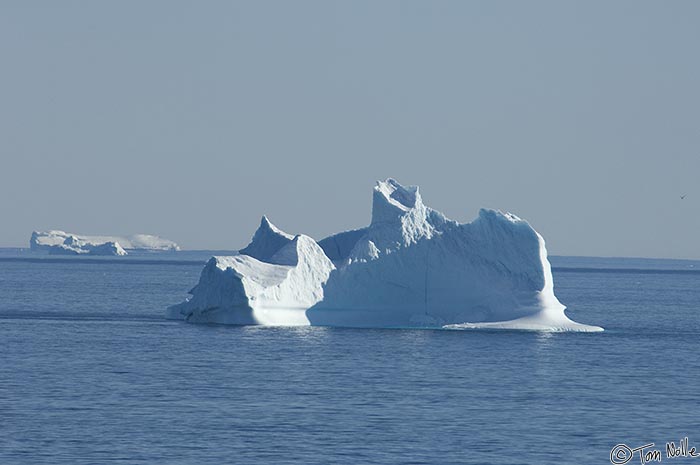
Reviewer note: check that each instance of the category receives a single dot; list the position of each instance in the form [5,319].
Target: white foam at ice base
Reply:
[411,267]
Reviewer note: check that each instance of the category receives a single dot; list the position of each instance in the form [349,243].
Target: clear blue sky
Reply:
[191,119]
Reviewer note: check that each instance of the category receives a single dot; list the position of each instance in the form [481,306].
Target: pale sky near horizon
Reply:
[192,119]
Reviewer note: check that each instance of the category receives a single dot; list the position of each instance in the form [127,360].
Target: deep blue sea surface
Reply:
[91,373]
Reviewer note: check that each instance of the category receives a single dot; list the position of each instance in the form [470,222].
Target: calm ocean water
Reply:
[91,373]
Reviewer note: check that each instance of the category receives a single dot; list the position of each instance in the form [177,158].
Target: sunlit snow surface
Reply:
[411,267]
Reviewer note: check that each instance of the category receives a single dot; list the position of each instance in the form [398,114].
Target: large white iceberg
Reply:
[411,267]
[63,243]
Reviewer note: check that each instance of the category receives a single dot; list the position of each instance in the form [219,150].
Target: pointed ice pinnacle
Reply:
[268,239]
[391,200]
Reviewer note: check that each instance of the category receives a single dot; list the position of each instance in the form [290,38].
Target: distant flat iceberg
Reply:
[57,242]
[410,268]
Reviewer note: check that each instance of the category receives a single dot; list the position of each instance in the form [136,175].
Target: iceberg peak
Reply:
[266,225]
[267,241]
[391,200]
[399,217]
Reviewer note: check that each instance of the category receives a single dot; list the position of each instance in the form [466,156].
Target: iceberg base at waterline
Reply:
[410,268]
